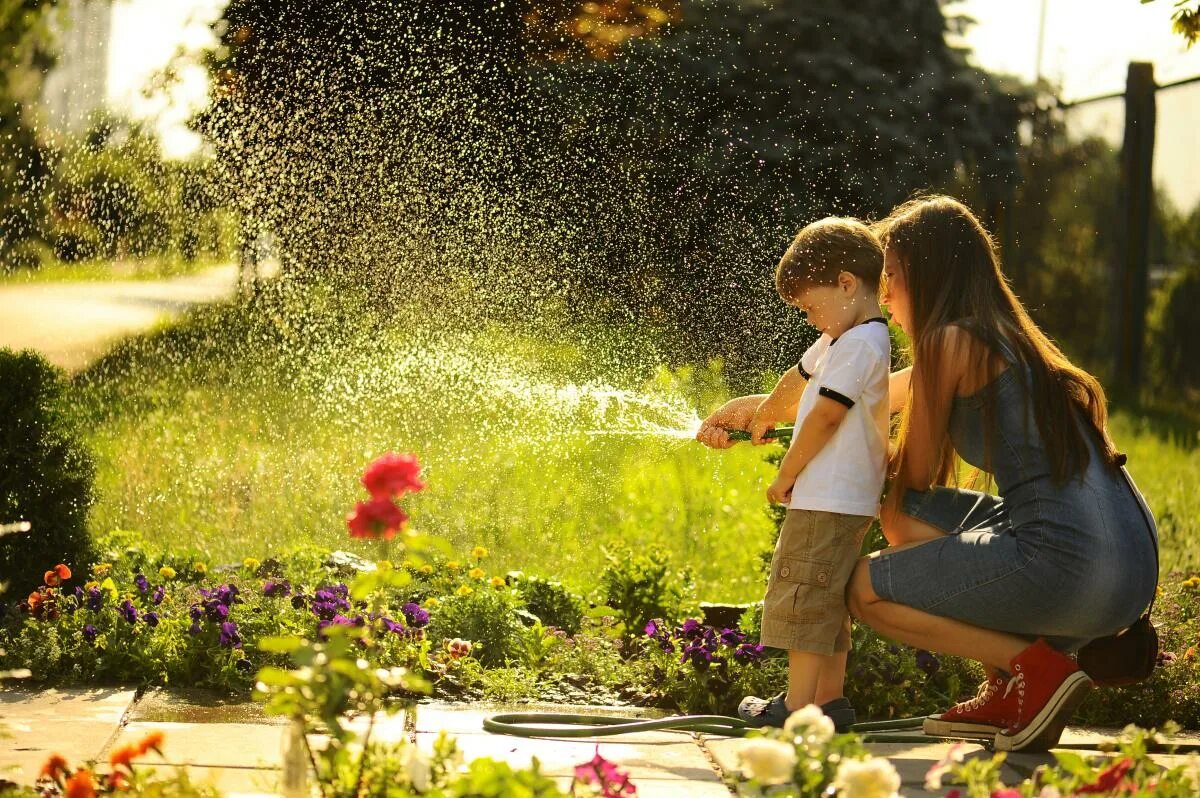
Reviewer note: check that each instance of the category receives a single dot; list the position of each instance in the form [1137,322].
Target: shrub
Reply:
[640,587]
[550,601]
[488,617]
[46,473]
[1173,322]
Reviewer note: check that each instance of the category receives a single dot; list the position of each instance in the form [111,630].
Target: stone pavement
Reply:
[237,748]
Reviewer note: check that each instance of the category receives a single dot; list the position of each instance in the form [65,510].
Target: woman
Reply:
[1065,553]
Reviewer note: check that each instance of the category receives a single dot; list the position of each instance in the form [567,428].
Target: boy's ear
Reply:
[847,282]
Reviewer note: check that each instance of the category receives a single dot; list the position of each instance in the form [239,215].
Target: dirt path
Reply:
[74,323]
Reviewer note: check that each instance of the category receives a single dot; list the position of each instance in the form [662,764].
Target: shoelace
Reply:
[986,691]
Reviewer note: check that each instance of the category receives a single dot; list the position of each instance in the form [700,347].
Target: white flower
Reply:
[810,723]
[1050,791]
[867,778]
[933,778]
[768,761]
[418,768]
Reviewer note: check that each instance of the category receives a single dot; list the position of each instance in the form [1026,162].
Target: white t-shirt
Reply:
[847,475]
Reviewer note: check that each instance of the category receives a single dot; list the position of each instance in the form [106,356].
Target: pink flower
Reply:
[378,518]
[604,777]
[393,475]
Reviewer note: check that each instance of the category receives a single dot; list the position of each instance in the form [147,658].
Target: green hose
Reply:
[565,725]
[568,725]
[769,435]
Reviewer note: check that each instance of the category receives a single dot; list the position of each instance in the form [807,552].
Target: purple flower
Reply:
[690,628]
[151,618]
[651,627]
[142,584]
[392,626]
[128,611]
[159,594]
[89,633]
[749,652]
[194,629]
[298,601]
[280,589]
[95,599]
[229,635]
[927,662]
[416,615]
[196,611]
[732,637]
[244,665]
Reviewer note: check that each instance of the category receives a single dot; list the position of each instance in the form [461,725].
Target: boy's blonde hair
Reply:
[825,248]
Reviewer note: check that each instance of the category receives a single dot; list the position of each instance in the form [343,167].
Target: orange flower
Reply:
[34,601]
[151,742]
[123,756]
[64,573]
[55,766]
[80,785]
[52,578]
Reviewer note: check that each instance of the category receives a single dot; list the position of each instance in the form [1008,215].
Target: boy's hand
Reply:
[780,491]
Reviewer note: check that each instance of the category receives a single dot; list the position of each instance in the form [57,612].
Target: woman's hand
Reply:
[734,414]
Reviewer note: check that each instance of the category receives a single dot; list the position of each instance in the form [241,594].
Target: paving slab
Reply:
[240,745]
[176,705]
[76,724]
[664,761]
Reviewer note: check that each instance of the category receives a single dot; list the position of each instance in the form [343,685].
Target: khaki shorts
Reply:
[805,607]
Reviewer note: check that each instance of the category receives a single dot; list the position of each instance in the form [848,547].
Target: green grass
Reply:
[244,434]
[149,268]
[242,437]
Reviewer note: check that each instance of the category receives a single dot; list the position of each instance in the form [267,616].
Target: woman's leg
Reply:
[924,630]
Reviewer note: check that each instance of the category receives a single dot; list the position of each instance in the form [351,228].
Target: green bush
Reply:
[489,618]
[46,472]
[550,601]
[1173,322]
[644,586]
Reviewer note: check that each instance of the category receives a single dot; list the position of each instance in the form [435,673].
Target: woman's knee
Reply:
[859,593]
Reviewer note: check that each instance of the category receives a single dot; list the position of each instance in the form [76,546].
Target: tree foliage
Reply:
[660,163]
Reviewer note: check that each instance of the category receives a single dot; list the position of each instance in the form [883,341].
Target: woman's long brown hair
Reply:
[953,276]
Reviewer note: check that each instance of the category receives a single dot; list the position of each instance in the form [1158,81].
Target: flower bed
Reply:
[166,618]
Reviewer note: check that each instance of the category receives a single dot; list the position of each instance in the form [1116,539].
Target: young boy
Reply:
[833,472]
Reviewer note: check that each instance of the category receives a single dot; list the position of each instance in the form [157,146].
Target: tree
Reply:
[1185,20]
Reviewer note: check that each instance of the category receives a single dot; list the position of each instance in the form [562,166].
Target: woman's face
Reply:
[895,291]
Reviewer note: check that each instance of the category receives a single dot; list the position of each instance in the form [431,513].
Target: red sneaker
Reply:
[1048,685]
[991,711]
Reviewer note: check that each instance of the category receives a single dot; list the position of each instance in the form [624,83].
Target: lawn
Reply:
[243,434]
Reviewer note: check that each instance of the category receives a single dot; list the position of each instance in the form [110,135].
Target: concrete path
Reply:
[237,748]
[73,323]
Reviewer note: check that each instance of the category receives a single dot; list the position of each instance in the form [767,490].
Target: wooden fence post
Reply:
[1133,234]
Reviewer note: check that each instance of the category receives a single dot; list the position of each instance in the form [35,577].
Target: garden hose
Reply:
[568,725]
[769,435]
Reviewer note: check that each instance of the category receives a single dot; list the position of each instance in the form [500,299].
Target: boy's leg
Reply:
[804,674]
[831,683]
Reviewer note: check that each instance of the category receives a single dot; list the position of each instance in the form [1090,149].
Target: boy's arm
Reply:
[780,406]
[814,432]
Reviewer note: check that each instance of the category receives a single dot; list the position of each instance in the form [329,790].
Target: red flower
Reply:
[123,757]
[81,785]
[54,766]
[52,578]
[378,518]
[392,476]
[64,573]
[1109,779]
